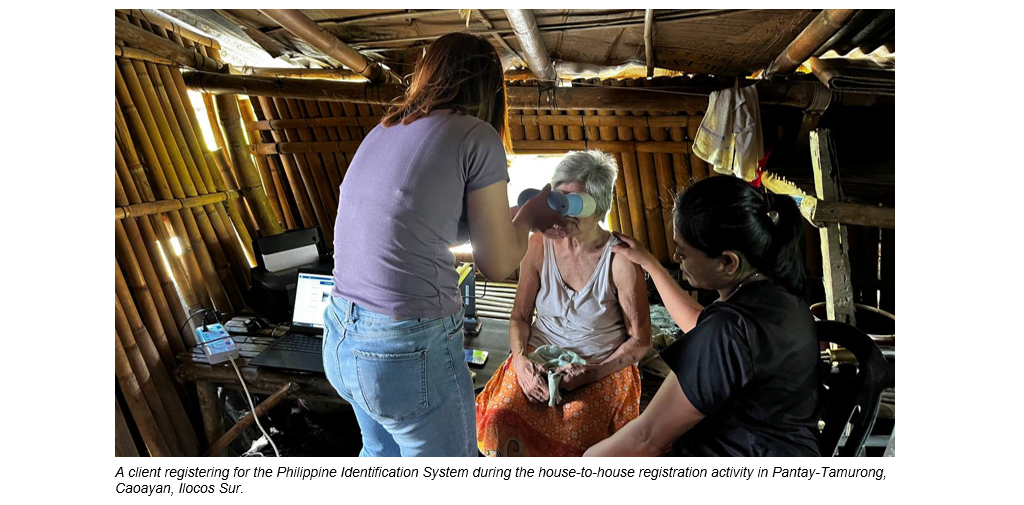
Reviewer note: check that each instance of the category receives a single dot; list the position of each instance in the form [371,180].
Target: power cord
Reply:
[252,408]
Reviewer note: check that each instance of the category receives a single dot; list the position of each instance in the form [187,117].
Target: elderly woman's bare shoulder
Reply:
[625,272]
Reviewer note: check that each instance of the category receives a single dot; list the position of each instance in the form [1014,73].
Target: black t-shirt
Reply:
[750,365]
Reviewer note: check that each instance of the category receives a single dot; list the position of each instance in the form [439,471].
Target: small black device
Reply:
[302,347]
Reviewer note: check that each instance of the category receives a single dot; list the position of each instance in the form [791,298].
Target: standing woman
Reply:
[394,328]
[744,378]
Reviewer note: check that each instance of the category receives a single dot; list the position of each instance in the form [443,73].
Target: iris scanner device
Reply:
[565,204]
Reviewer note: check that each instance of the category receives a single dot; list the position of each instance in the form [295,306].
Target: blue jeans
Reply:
[407,380]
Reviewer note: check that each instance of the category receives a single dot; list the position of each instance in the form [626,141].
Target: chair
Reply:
[851,393]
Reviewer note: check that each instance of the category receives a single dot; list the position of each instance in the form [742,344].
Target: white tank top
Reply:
[589,321]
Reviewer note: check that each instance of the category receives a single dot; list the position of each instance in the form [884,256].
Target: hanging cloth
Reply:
[729,137]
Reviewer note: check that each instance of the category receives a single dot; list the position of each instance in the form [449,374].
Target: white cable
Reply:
[253,409]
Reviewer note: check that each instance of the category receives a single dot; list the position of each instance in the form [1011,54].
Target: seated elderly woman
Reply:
[589,301]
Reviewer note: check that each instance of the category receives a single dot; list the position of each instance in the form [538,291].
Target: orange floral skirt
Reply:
[507,424]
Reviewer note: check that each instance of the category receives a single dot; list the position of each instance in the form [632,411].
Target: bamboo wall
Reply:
[306,145]
[171,193]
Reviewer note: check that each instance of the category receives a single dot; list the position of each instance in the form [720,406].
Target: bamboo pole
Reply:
[326,121]
[191,128]
[681,161]
[134,53]
[162,206]
[238,150]
[144,131]
[248,115]
[157,387]
[173,280]
[199,176]
[137,406]
[124,445]
[272,401]
[317,169]
[339,134]
[665,181]
[306,176]
[172,27]
[208,248]
[137,37]
[631,176]
[213,417]
[311,109]
[138,185]
[131,252]
[610,134]
[144,365]
[150,318]
[211,115]
[307,218]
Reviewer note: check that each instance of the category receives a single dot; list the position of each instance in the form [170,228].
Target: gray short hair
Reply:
[595,170]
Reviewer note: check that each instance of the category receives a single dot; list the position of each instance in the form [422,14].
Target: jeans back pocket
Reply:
[393,385]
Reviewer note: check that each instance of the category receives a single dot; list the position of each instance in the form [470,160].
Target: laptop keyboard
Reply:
[299,342]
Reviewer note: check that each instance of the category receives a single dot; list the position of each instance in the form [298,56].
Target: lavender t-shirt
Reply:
[399,209]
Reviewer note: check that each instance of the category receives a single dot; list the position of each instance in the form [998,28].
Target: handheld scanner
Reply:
[565,204]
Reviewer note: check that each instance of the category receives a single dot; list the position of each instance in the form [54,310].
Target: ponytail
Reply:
[784,259]
[726,214]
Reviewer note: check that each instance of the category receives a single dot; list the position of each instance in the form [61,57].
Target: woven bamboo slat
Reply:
[294,180]
[311,147]
[576,120]
[681,162]
[557,146]
[665,181]
[275,168]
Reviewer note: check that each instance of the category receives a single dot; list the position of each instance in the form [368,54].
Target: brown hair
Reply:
[461,72]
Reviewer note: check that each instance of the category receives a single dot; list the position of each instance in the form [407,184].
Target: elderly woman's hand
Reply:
[633,250]
[532,378]
[575,376]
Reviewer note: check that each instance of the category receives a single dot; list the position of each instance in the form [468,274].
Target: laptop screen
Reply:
[312,295]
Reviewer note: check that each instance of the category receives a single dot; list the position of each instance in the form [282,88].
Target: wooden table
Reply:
[194,367]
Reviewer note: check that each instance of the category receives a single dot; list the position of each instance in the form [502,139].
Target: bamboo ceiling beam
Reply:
[821,28]
[341,74]
[308,30]
[139,38]
[800,94]
[649,41]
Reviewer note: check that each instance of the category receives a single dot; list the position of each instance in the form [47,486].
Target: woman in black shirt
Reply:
[744,379]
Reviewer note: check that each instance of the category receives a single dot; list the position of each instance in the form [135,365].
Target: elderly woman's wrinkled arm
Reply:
[532,379]
[636,312]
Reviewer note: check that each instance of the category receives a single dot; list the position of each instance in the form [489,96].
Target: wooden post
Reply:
[213,419]
[222,443]
[238,151]
[834,239]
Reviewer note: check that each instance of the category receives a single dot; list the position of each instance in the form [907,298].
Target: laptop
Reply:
[302,347]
